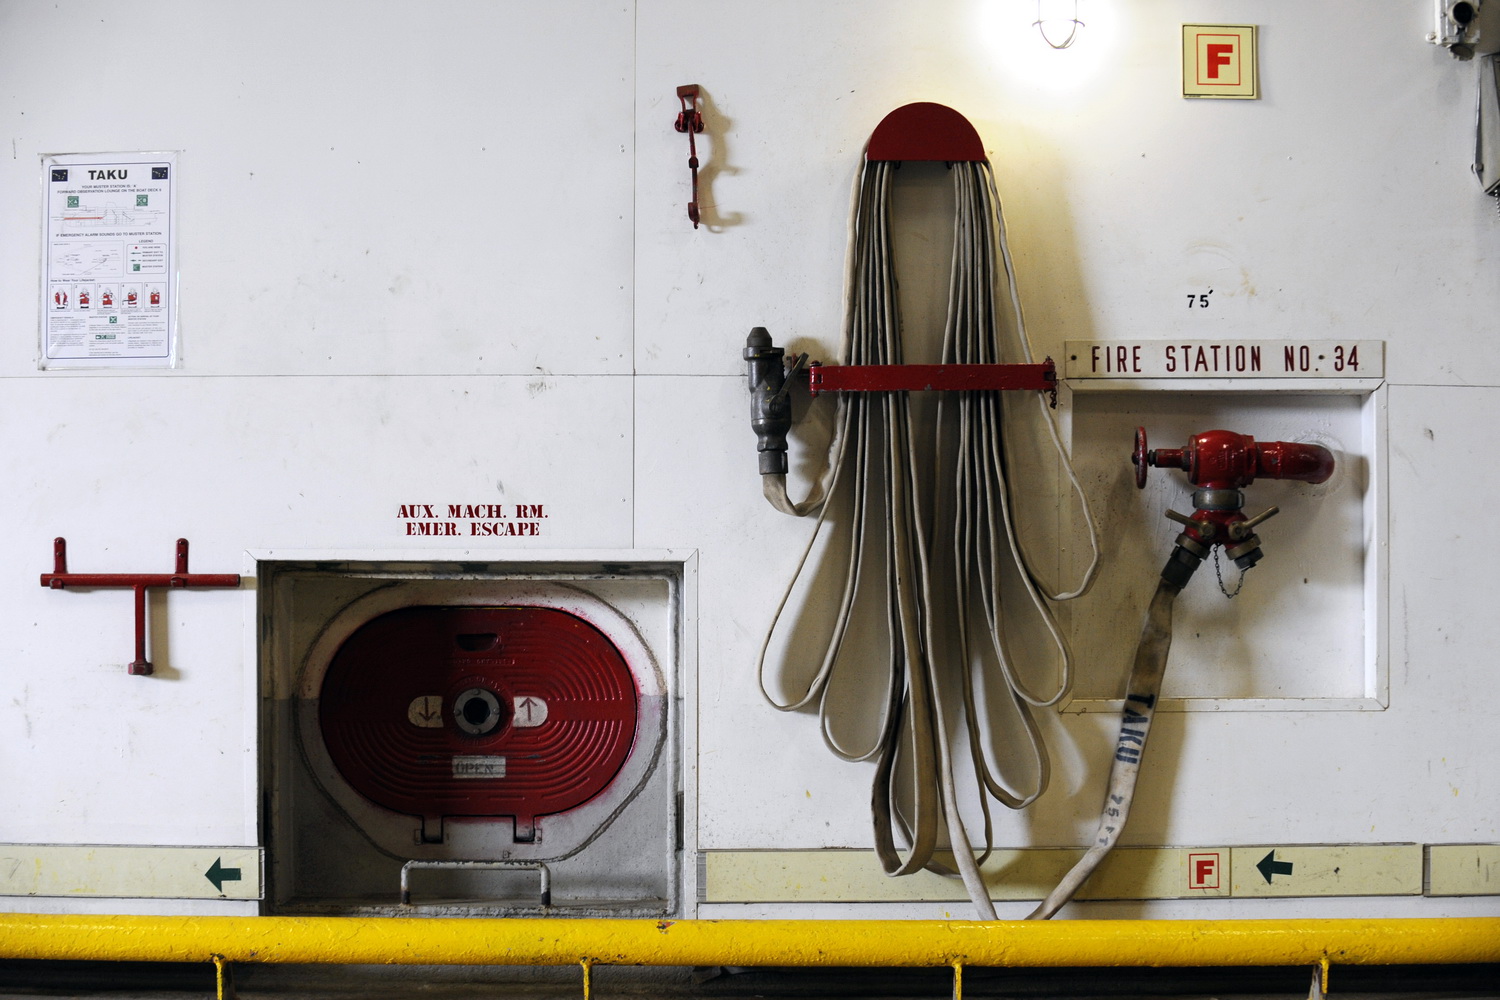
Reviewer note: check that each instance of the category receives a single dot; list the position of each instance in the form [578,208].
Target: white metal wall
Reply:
[439,253]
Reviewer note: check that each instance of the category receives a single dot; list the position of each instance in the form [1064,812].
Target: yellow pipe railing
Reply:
[853,943]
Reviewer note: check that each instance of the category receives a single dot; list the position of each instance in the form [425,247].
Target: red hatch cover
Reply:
[474,711]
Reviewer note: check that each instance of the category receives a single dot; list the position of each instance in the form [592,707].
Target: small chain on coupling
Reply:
[1219,572]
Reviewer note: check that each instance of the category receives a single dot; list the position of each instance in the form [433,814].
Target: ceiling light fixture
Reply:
[1057,21]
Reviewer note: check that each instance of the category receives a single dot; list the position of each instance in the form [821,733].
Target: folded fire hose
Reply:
[877,457]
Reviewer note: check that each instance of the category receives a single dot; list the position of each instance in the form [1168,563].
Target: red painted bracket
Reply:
[918,378]
[139,582]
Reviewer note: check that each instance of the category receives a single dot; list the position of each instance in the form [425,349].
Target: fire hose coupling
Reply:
[1187,555]
[770,400]
[1215,526]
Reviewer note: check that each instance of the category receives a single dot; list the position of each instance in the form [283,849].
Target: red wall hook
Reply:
[690,120]
[139,582]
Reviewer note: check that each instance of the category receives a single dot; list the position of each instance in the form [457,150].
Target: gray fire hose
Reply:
[877,458]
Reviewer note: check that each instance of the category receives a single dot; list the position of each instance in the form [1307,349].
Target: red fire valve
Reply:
[1220,464]
[1224,460]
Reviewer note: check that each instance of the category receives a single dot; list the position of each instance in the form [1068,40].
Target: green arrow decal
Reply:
[1269,866]
[218,875]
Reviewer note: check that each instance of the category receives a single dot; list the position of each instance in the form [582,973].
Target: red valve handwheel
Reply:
[1139,458]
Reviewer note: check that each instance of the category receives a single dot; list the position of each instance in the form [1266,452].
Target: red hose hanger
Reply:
[925,132]
[179,578]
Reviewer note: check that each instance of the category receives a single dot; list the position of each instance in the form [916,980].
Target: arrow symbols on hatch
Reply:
[528,712]
[218,874]
[426,711]
[1268,866]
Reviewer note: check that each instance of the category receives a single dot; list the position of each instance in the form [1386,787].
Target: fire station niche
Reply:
[461,738]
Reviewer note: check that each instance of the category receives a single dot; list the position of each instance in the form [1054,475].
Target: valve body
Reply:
[1220,464]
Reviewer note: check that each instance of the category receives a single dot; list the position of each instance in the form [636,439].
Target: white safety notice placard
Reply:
[109,261]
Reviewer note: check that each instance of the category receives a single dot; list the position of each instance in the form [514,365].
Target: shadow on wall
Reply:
[716,129]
